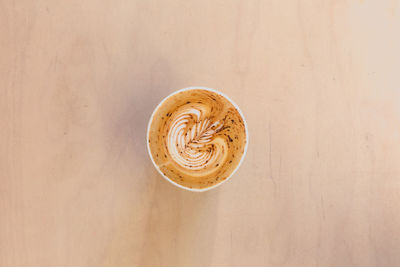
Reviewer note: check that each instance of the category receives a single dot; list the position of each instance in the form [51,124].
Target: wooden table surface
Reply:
[318,82]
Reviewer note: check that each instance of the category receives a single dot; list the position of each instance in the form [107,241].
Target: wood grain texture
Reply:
[317,80]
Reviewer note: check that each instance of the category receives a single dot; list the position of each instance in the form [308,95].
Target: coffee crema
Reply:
[197,138]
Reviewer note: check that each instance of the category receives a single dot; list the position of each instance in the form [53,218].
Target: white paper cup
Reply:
[236,168]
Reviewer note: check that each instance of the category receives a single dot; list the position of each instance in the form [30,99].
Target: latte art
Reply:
[197,138]
[194,147]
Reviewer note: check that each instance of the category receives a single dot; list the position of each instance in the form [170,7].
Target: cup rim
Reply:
[151,120]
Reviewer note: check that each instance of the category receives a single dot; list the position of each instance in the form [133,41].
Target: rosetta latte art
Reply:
[197,138]
[194,148]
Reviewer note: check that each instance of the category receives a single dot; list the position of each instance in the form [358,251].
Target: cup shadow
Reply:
[179,226]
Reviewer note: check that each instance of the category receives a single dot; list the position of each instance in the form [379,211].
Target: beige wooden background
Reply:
[318,81]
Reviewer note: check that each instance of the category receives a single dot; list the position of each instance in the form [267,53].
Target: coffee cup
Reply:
[197,138]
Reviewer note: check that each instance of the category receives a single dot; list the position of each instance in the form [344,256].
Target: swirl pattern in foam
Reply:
[191,141]
[197,138]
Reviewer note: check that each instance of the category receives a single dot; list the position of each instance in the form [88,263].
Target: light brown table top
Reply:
[318,82]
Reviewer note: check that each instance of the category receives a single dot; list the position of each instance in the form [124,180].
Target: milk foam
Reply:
[190,139]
